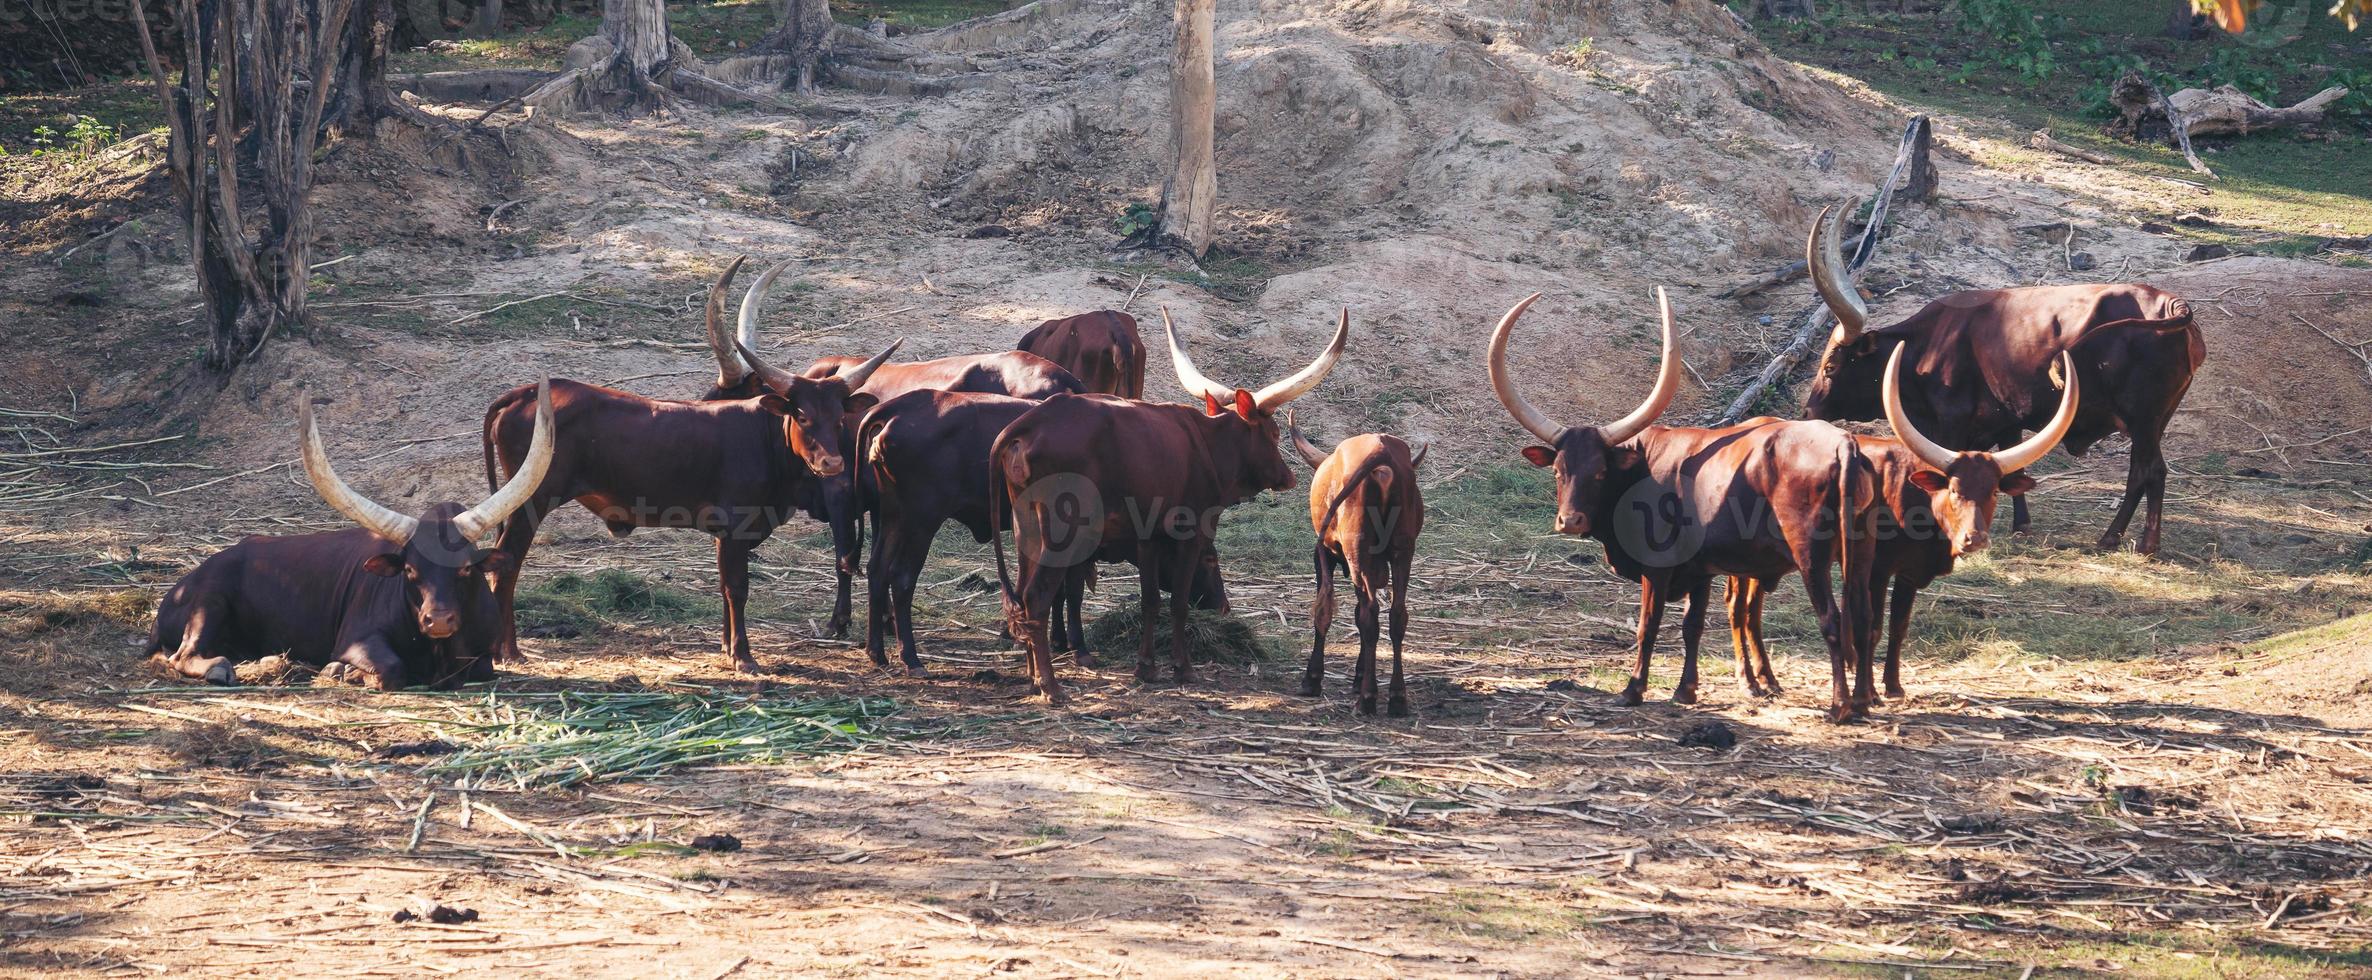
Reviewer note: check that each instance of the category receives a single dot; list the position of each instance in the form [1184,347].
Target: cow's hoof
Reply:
[1309,688]
[1148,674]
[1771,685]
[1086,660]
[2109,542]
[1894,692]
[837,629]
[1841,714]
[1398,708]
[1367,706]
[747,665]
[1684,695]
[1051,699]
[917,670]
[221,674]
[1185,675]
[1629,698]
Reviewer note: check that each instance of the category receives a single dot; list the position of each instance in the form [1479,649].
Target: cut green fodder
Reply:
[572,604]
[1211,637]
[550,740]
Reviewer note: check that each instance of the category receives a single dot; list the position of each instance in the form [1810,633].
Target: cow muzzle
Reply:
[440,626]
[1970,543]
[828,465]
[1573,524]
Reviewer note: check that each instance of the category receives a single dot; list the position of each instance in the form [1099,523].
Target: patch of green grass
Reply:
[1501,917]
[1211,637]
[558,739]
[920,15]
[78,120]
[609,597]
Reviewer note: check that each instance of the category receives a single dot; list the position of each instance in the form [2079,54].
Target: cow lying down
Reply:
[405,600]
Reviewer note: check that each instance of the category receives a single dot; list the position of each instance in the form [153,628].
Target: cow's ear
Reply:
[488,562]
[775,403]
[1540,455]
[1929,480]
[1210,405]
[386,564]
[859,404]
[2017,484]
[1622,458]
[1244,405]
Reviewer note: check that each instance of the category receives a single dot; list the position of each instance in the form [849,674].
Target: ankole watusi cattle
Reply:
[732,469]
[832,499]
[1982,361]
[1677,507]
[1939,508]
[1102,349]
[1367,512]
[402,599]
[1094,477]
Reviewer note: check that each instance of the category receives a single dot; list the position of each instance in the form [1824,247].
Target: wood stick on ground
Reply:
[2041,140]
[1789,273]
[2182,128]
[1914,143]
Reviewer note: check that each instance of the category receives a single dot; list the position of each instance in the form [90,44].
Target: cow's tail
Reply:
[1379,472]
[487,437]
[865,475]
[1857,487]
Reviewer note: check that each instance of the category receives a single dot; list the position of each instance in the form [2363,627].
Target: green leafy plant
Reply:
[1140,218]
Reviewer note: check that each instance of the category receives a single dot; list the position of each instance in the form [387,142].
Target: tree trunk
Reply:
[637,33]
[804,36]
[1191,194]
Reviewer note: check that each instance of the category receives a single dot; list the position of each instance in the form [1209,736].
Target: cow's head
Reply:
[1583,456]
[436,553]
[1853,362]
[1256,411]
[1963,486]
[814,410]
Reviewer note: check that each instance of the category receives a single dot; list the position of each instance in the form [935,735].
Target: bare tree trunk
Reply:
[251,286]
[804,35]
[1191,194]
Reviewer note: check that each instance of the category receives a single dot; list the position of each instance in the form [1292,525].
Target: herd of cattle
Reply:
[1056,439]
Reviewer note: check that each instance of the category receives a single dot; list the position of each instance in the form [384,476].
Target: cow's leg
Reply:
[1397,706]
[1181,658]
[1736,605]
[516,537]
[200,636]
[2019,519]
[848,542]
[733,585]
[1651,619]
[1036,597]
[905,569]
[1758,591]
[1898,626]
[1148,603]
[1321,618]
[1368,613]
[2145,478]
[1692,630]
[1834,631]
[1069,619]
[382,669]
[880,609]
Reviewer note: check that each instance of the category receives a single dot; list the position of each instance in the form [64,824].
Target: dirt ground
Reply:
[2108,765]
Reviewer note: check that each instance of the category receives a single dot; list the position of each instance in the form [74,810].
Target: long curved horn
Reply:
[1189,377]
[754,301]
[857,376]
[357,508]
[730,368]
[1419,459]
[492,511]
[1301,382]
[1310,453]
[2031,451]
[1667,382]
[1827,265]
[1891,392]
[1504,386]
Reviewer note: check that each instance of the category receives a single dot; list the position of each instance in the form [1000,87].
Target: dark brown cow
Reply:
[1939,508]
[1102,349]
[732,469]
[1367,512]
[401,599]
[832,499]
[1982,359]
[1677,507]
[1094,477]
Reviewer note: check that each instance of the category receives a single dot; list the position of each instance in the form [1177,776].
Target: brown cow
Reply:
[1093,477]
[1102,349]
[732,469]
[1939,508]
[1367,511]
[1677,507]
[1983,360]
[401,599]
